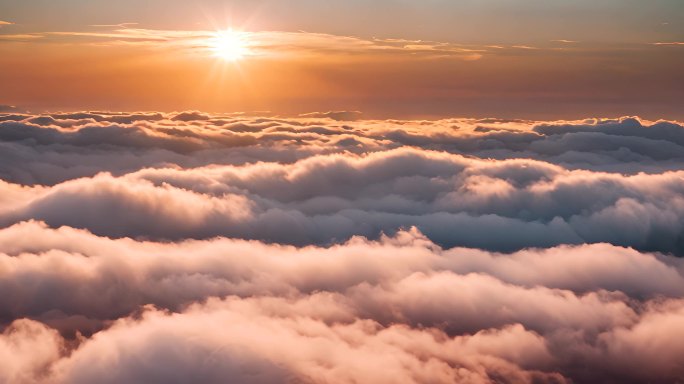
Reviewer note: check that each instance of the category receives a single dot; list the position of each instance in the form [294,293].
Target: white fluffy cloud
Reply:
[277,313]
[190,247]
[499,205]
[48,149]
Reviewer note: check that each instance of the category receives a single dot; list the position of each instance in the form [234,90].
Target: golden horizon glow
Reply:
[230,45]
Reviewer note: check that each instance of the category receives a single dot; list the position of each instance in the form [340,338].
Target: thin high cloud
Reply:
[670,43]
[156,247]
[277,43]
[263,43]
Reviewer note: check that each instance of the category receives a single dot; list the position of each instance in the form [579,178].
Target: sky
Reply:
[522,59]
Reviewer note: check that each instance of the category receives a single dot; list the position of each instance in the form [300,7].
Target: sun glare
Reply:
[230,45]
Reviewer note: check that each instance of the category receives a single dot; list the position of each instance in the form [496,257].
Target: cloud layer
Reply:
[155,247]
[233,309]
[47,149]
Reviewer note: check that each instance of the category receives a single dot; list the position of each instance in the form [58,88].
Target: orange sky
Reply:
[129,67]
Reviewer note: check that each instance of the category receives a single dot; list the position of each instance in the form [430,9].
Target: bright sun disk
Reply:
[230,45]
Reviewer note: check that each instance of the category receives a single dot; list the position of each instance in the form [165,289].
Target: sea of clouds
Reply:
[188,247]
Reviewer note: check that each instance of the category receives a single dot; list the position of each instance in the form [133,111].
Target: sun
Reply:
[230,45]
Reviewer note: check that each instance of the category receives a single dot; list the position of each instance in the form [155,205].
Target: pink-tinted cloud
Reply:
[153,247]
[501,205]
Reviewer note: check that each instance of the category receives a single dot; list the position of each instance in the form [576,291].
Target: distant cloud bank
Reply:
[155,247]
